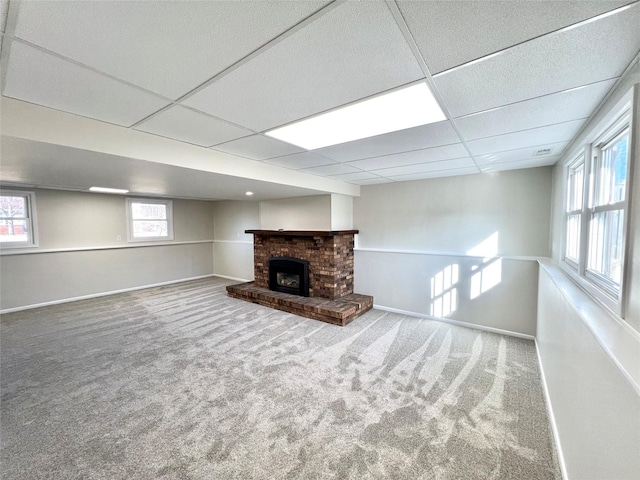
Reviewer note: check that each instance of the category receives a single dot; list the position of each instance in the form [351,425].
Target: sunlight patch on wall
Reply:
[489,273]
[444,293]
[487,248]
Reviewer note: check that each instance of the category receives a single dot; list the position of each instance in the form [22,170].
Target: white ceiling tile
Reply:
[454,172]
[335,169]
[354,51]
[555,108]
[527,138]
[352,177]
[589,53]
[4,8]
[499,167]
[452,33]
[258,147]
[188,126]
[424,136]
[409,158]
[372,181]
[167,47]
[521,154]
[300,160]
[44,79]
[426,167]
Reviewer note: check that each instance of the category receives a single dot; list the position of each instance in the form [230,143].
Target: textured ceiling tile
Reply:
[335,169]
[521,154]
[454,172]
[555,108]
[426,167]
[594,51]
[424,136]
[408,158]
[452,33]
[372,181]
[188,126]
[258,147]
[300,160]
[351,177]
[499,167]
[4,8]
[354,51]
[167,47]
[43,79]
[528,138]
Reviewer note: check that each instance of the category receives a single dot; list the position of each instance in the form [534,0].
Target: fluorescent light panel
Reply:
[398,110]
[108,190]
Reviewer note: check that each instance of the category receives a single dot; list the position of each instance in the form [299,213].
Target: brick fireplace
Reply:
[330,269]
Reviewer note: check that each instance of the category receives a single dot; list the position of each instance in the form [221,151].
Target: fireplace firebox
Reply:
[289,275]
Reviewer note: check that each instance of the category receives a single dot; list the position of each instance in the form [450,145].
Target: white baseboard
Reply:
[101,294]
[552,418]
[456,322]
[235,279]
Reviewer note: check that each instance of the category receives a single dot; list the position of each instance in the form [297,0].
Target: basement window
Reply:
[17,219]
[596,200]
[149,220]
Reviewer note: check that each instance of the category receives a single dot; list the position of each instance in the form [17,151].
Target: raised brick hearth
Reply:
[330,256]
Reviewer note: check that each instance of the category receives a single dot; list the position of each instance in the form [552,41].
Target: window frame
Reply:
[31,217]
[154,201]
[597,285]
[579,161]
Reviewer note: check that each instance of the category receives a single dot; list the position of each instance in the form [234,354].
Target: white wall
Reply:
[595,409]
[590,356]
[411,231]
[302,213]
[79,253]
[233,249]
[341,212]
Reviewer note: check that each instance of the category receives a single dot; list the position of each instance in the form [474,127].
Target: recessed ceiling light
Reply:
[397,110]
[108,190]
[249,193]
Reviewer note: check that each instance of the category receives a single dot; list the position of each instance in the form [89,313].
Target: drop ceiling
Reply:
[517,80]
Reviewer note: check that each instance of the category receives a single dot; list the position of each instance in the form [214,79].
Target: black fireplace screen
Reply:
[289,275]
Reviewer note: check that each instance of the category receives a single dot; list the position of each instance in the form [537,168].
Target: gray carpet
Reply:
[183,382]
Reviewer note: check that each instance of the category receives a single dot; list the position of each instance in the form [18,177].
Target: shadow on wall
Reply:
[470,280]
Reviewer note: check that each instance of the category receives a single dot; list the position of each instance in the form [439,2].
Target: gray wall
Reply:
[233,249]
[79,253]
[303,213]
[485,224]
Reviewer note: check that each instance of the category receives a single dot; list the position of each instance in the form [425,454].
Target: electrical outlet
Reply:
[118,238]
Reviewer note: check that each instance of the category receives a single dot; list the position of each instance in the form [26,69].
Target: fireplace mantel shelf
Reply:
[302,233]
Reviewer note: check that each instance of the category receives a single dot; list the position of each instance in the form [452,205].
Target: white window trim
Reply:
[157,201]
[32,217]
[616,122]
[577,159]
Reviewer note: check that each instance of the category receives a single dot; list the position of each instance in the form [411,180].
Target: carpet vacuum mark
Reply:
[182,382]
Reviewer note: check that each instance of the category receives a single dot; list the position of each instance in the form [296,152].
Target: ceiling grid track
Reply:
[404,28]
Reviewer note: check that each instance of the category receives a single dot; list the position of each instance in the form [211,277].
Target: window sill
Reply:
[619,340]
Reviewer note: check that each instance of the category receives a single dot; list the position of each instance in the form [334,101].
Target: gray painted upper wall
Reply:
[79,219]
[302,213]
[232,218]
[456,214]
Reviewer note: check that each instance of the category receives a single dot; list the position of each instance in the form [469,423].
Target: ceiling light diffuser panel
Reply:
[398,110]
